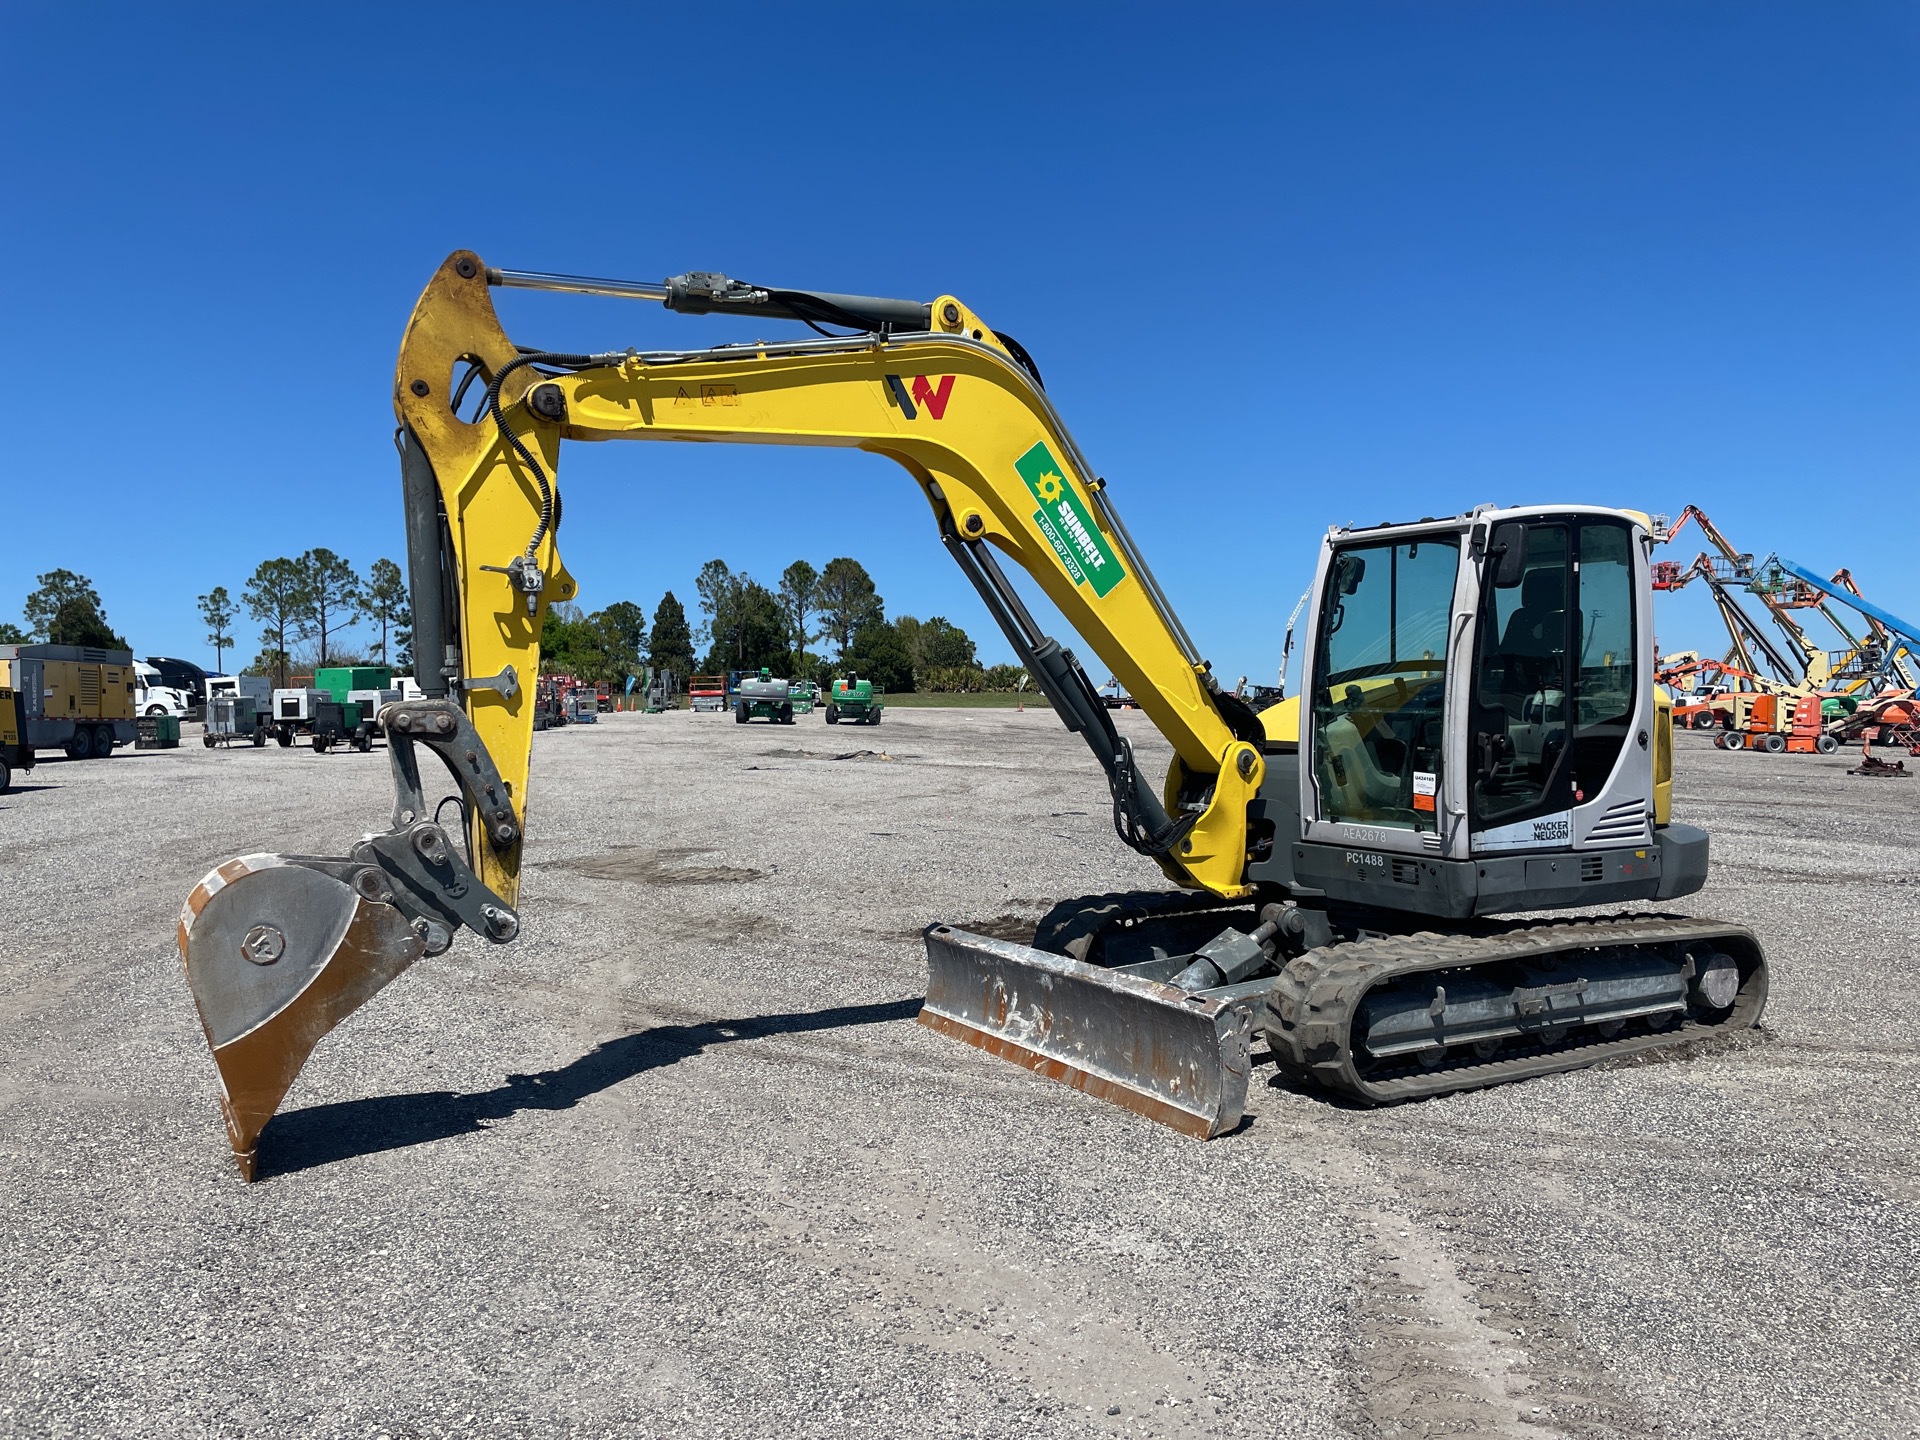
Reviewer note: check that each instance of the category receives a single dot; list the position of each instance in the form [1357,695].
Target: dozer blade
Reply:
[1177,1058]
[277,954]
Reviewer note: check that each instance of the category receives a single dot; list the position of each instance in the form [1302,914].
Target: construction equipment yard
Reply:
[682,1162]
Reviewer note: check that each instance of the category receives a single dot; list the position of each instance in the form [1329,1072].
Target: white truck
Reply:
[151,696]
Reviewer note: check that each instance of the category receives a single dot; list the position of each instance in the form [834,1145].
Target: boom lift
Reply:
[1897,651]
[1821,669]
[1478,733]
[1892,636]
[1815,666]
[1778,715]
[1744,636]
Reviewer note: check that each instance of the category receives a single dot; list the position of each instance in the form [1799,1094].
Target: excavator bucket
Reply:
[279,949]
[277,953]
[1173,1056]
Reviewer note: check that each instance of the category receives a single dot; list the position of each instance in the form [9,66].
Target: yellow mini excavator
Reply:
[1477,733]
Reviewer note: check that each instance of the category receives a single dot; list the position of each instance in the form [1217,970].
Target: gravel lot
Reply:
[680,1162]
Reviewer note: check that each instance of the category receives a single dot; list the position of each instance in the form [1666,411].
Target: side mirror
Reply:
[1508,550]
[1347,573]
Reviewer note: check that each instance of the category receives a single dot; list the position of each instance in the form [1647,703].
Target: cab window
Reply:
[1379,696]
[1604,684]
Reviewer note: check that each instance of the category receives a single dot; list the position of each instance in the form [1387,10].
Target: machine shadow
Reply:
[325,1134]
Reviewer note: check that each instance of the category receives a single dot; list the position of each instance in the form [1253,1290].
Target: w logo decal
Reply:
[934,399]
[925,392]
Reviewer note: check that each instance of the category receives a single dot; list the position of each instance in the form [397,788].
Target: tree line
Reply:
[747,626]
[310,601]
[314,597]
[813,625]
[613,645]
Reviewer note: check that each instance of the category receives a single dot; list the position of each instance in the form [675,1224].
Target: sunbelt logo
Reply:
[1084,552]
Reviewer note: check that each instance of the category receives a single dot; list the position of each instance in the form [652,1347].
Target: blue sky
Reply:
[1283,267]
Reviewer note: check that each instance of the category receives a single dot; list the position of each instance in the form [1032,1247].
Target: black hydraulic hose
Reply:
[1019,352]
[460,394]
[1134,805]
[549,502]
[430,586]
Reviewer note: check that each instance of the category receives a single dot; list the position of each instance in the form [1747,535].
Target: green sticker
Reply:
[1084,552]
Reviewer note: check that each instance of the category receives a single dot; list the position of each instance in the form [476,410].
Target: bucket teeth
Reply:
[278,953]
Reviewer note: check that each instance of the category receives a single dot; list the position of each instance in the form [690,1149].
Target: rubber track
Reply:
[1312,1006]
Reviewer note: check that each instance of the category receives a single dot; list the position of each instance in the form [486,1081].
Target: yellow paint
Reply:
[1662,756]
[1282,721]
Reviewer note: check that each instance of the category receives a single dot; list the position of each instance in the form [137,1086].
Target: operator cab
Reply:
[1479,688]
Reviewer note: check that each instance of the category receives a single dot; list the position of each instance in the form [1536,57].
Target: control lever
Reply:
[1496,748]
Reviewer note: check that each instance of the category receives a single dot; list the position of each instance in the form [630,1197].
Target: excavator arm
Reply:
[279,949]
[947,400]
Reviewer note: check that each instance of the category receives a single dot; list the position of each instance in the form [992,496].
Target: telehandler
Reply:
[1478,733]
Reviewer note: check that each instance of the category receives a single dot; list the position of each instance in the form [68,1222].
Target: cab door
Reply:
[1559,716]
[1374,752]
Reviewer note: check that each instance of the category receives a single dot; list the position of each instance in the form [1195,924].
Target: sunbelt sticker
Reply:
[1084,552]
[1424,786]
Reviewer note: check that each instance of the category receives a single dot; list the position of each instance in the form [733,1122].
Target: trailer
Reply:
[75,698]
[372,702]
[337,722]
[293,712]
[235,720]
[15,753]
[239,711]
[370,687]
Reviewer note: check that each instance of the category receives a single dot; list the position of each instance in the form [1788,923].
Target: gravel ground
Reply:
[680,1161]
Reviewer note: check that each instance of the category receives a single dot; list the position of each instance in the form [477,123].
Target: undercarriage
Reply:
[1125,996]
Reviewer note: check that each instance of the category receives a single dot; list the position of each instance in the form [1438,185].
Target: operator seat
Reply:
[1351,776]
[1528,659]
[1537,631]
[1531,668]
